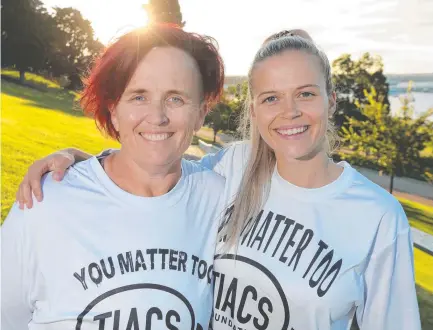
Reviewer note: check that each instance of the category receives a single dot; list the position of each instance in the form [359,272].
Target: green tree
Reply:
[74,45]
[394,143]
[351,78]
[25,35]
[235,97]
[164,11]
[218,118]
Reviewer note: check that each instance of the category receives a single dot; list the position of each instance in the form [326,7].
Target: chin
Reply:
[296,155]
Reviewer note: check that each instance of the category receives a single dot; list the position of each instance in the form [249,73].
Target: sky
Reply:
[400,31]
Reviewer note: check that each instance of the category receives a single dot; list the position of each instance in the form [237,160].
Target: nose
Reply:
[290,108]
[157,115]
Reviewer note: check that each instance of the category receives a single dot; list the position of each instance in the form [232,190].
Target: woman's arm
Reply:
[17,272]
[390,301]
[228,162]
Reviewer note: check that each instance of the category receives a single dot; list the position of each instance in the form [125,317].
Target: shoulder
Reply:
[232,159]
[239,149]
[384,200]
[78,172]
[78,179]
[199,174]
[205,187]
[380,208]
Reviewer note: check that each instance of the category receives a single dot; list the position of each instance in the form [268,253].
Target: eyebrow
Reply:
[308,85]
[142,91]
[175,91]
[299,87]
[136,91]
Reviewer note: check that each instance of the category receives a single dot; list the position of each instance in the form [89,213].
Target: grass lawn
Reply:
[206,135]
[36,123]
[420,216]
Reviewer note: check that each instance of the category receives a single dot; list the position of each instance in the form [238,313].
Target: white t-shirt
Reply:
[92,256]
[314,257]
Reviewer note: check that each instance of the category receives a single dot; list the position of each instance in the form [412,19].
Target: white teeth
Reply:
[293,131]
[156,137]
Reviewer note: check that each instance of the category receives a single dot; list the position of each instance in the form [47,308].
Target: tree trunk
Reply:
[22,76]
[391,184]
[214,135]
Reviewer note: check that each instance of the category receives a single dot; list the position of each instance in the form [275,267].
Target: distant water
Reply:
[422,102]
[422,94]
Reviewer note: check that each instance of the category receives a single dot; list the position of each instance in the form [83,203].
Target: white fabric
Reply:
[93,256]
[314,257]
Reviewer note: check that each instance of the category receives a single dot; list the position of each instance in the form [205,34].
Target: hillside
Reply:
[35,124]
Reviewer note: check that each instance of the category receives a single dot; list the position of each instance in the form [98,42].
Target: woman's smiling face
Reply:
[291,105]
[161,107]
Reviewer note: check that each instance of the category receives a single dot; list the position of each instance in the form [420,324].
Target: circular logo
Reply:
[247,295]
[166,308]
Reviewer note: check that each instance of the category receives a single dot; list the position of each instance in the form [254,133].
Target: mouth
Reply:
[156,137]
[292,132]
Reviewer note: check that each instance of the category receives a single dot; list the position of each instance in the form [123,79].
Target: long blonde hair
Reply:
[255,185]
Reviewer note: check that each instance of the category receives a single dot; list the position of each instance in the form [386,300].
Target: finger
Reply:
[58,175]
[20,197]
[35,186]
[18,194]
[60,163]
[28,200]
[21,205]
[34,177]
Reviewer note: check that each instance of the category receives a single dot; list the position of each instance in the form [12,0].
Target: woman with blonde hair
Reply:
[306,243]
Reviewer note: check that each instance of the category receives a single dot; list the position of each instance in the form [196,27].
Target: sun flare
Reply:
[118,20]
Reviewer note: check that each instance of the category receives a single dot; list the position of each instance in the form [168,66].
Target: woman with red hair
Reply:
[126,241]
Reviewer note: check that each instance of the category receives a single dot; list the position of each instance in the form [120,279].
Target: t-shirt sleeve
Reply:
[229,162]
[17,265]
[390,301]
[216,162]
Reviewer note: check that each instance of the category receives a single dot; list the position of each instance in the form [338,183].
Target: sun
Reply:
[114,21]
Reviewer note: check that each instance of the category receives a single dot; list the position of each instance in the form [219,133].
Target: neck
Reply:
[146,181]
[314,172]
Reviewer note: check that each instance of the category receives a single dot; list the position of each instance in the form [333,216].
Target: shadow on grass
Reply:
[425,301]
[417,214]
[52,99]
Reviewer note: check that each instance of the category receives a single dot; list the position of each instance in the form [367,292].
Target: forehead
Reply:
[167,68]
[287,70]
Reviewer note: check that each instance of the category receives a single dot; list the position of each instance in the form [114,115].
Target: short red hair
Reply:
[115,67]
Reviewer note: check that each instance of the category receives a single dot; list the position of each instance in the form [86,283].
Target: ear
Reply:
[203,111]
[114,119]
[332,104]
